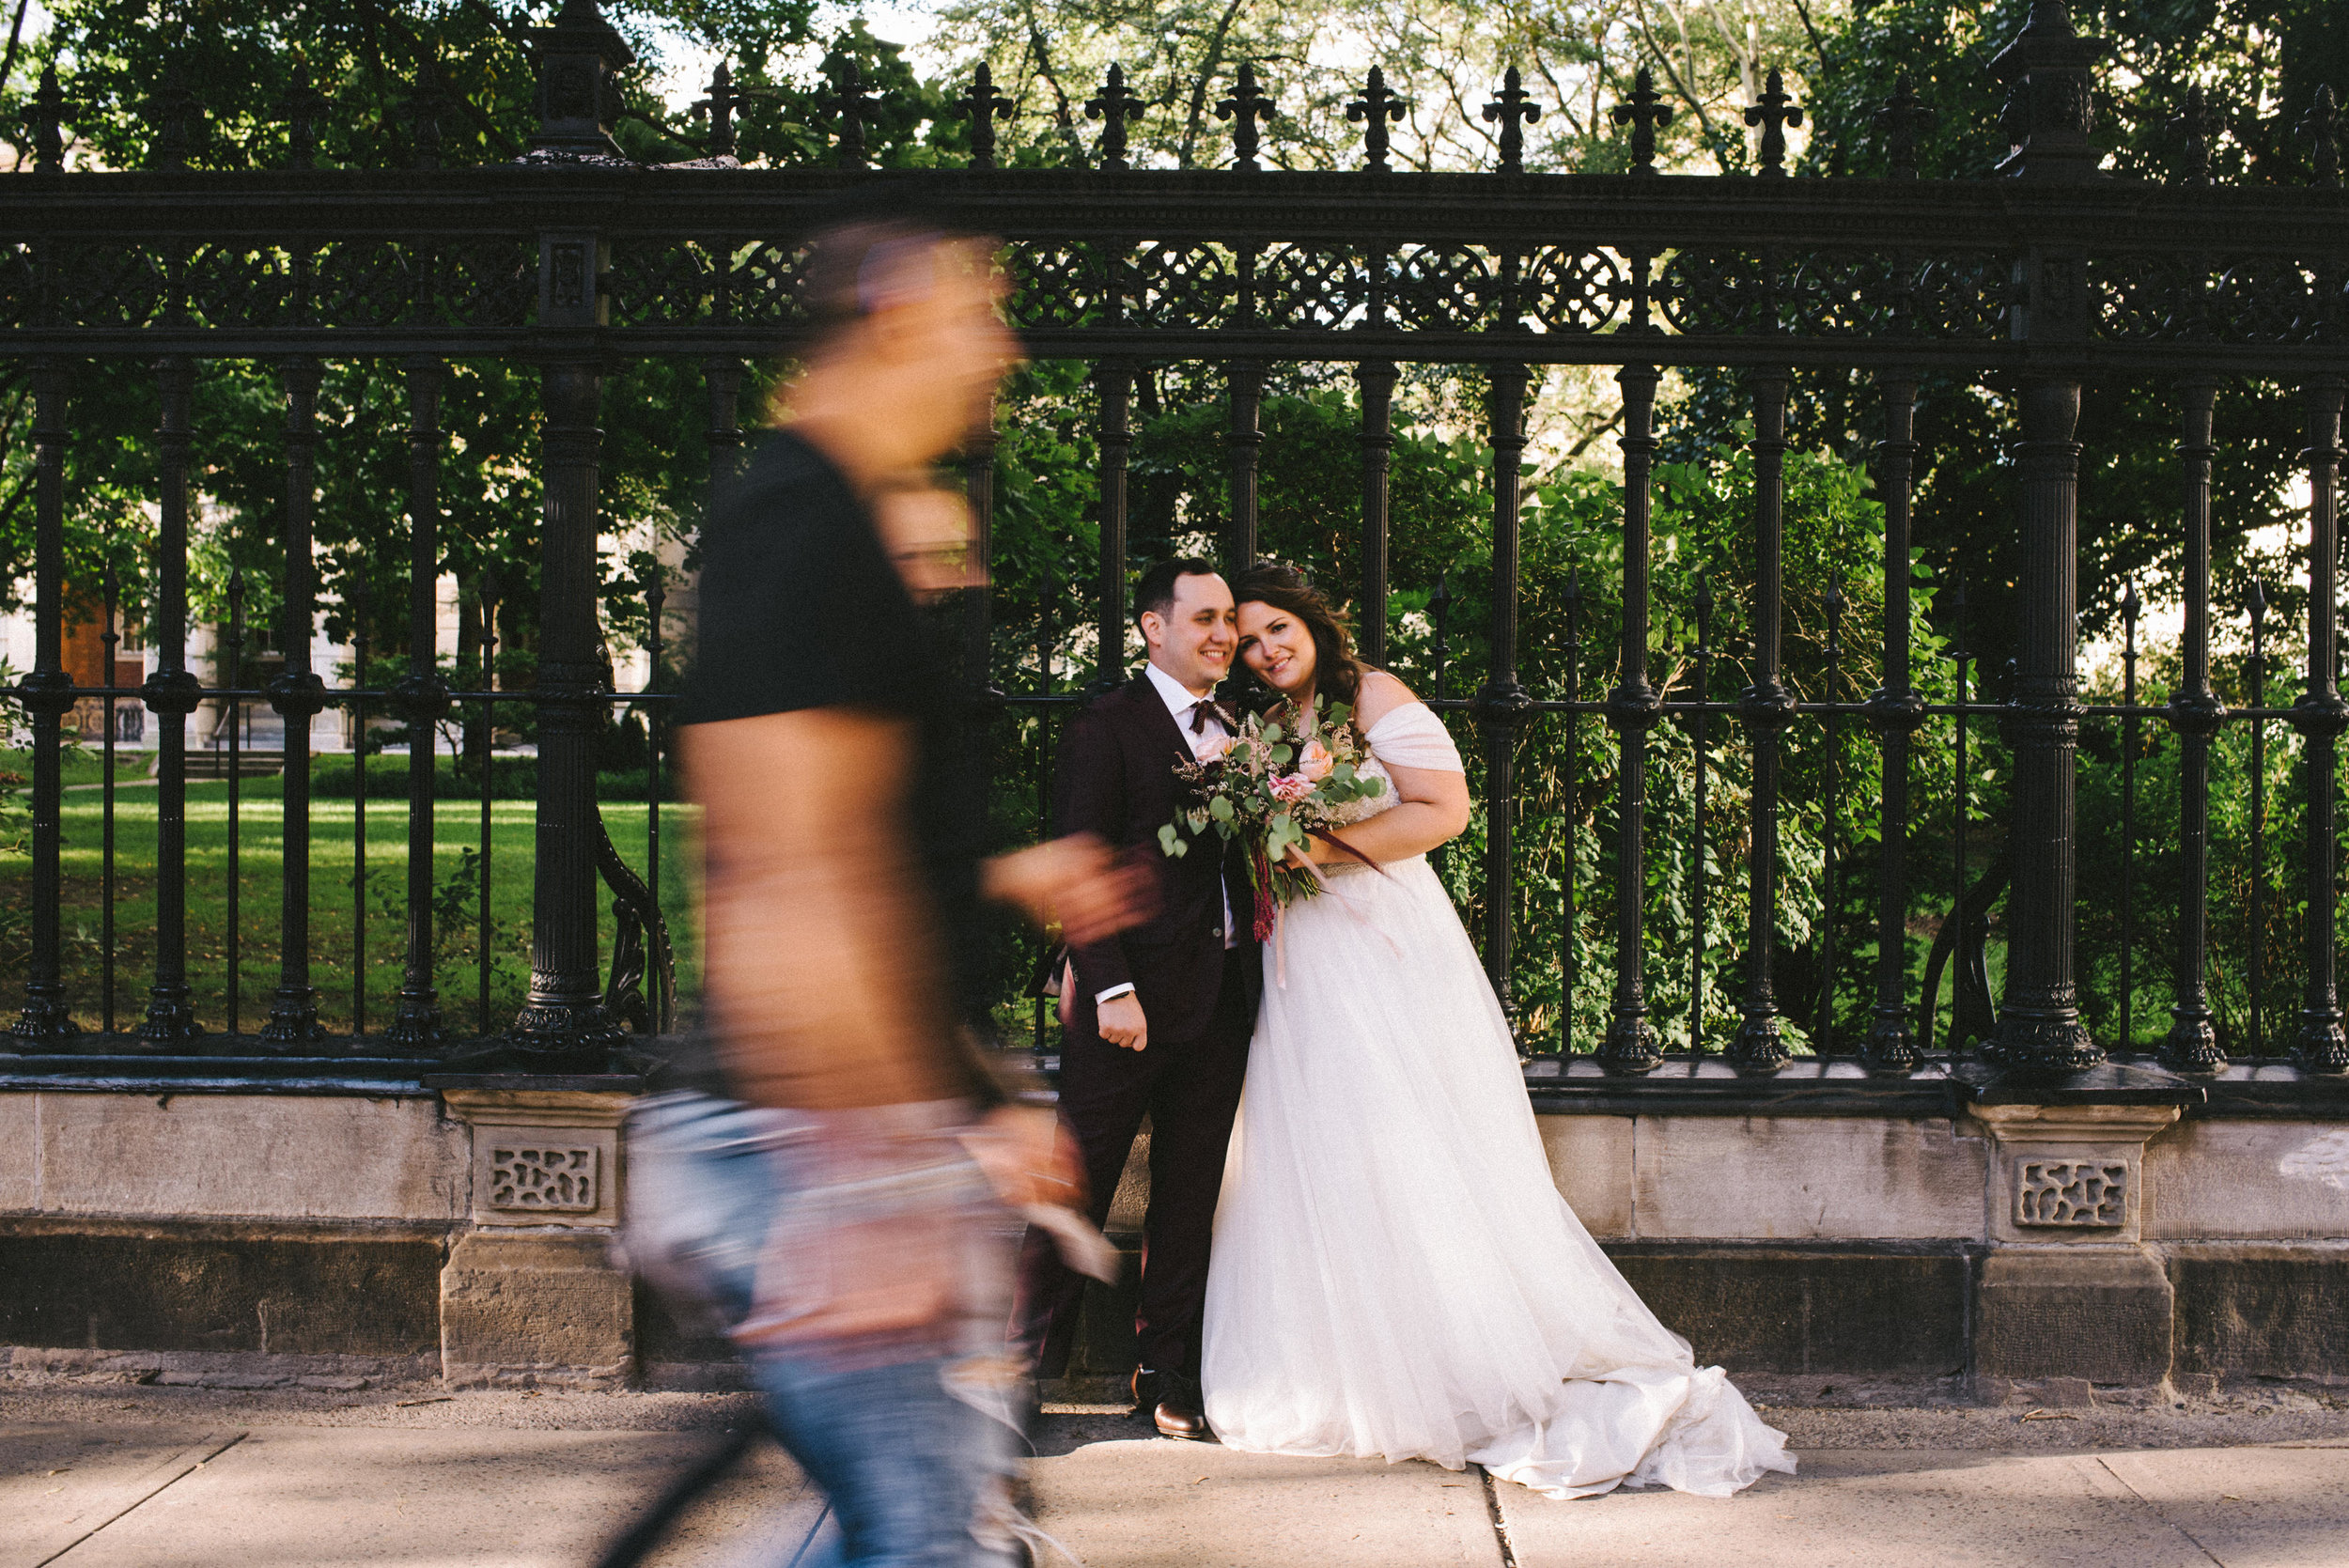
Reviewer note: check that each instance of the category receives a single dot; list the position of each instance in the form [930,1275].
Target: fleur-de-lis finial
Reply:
[2324,150]
[1512,112]
[423,109]
[48,117]
[1244,108]
[304,107]
[1113,108]
[1901,119]
[1646,114]
[175,118]
[852,105]
[720,107]
[983,105]
[1773,112]
[1373,111]
[2193,127]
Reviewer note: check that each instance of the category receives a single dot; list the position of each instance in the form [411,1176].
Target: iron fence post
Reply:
[1766,708]
[2255,842]
[1377,378]
[1633,708]
[422,699]
[1115,381]
[1700,742]
[298,694]
[1244,442]
[1895,710]
[2048,122]
[2039,1022]
[2320,716]
[171,693]
[2130,608]
[47,693]
[1502,704]
[562,1024]
[2191,1045]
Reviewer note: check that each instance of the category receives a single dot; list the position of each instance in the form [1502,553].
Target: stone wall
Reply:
[471,1231]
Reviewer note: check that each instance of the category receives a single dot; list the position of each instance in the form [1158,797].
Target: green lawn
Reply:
[336,919]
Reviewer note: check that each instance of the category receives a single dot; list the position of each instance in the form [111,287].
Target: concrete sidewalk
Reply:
[147,1478]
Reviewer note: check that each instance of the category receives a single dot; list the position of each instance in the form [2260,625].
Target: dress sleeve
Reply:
[1412,736]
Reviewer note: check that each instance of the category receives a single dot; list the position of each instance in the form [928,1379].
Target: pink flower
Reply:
[1210,748]
[1316,762]
[1289,789]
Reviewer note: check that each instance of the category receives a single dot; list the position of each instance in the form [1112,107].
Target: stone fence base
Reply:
[468,1234]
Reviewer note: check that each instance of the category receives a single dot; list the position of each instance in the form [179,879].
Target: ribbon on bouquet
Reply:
[1329,889]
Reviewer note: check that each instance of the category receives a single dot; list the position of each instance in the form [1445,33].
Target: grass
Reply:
[341,913]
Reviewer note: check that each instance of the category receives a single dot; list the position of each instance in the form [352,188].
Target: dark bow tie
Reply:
[1204,709]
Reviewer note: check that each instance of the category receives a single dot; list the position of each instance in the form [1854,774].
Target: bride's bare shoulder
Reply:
[1381,695]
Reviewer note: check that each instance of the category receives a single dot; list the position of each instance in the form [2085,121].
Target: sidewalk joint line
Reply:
[2156,1509]
[1501,1522]
[173,1480]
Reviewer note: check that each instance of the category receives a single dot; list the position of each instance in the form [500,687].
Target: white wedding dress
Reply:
[1394,1273]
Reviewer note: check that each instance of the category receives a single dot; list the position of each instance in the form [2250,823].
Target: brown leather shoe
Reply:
[1181,1412]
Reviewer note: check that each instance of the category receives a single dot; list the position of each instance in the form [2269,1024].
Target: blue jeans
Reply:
[906,1460]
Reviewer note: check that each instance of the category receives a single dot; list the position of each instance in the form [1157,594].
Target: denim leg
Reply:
[903,1461]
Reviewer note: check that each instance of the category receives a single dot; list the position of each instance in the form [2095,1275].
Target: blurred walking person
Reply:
[839,1180]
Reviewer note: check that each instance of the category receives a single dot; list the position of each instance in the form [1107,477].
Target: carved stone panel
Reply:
[2071,1192]
[543,1158]
[528,1176]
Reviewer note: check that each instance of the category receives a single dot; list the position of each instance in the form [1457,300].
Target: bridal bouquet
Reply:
[1275,786]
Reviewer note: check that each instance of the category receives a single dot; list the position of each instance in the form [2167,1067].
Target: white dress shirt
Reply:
[1180,703]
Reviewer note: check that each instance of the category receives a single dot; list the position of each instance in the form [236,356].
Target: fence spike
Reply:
[720,107]
[1773,112]
[1373,111]
[1901,119]
[983,106]
[852,105]
[177,119]
[1113,108]
[2320,126]
[2193,125]
[1646,114]
[304,107]
[1512,112]
[1244,108]
[423,111]
[48,117]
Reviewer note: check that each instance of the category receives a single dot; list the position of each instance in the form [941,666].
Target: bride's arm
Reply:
[1433,802]
[1432,810]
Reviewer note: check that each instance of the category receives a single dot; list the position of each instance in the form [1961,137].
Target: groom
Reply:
[1161,1016]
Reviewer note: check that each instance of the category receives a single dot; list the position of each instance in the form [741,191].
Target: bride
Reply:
[1393,1272]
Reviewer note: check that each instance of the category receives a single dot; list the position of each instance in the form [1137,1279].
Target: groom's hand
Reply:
[1121,1022]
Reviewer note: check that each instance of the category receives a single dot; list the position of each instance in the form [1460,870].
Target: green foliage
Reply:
[2261,61]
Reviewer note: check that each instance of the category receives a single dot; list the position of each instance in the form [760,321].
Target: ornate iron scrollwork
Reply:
[1057,284]
[1180,285]
[1444,288]
[1569,289]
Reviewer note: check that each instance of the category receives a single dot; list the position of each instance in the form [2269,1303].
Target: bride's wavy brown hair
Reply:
[1337,674]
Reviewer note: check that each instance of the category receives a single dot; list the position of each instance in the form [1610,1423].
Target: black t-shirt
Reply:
[800,608]
[800,605]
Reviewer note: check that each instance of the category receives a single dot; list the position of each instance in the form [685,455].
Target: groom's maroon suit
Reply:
[1199,999]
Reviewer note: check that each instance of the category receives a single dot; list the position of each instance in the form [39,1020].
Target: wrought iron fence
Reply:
[572,258]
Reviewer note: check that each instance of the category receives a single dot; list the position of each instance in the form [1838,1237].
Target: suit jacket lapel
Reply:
[1159,718]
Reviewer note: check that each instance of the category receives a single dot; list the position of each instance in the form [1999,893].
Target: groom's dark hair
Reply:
[1155,594]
